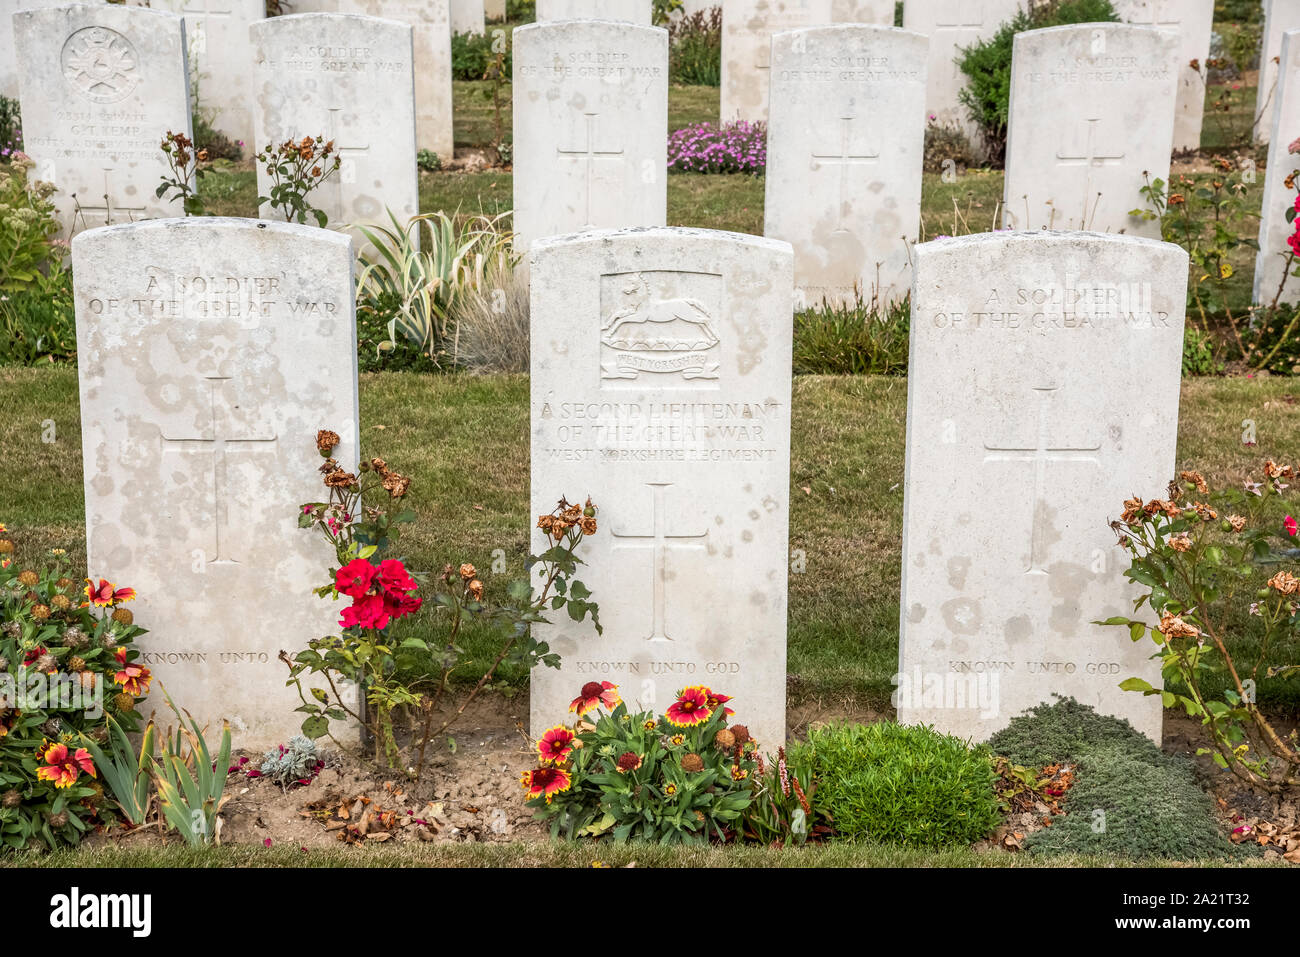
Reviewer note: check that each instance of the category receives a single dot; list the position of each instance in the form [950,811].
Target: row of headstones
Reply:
[952,26]
[1092,111]
[221,57]
[845,148]
[1043,391]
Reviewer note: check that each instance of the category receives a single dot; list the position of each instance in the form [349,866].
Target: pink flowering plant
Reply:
[361,520]
[1218,567]
[739,147]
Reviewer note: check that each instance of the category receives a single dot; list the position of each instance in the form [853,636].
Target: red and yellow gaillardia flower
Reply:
[106,594]
[716,700]
[670,789]
[62,766]
[594,694]
[134,679]
[690,708]
[548,781]
[555,745]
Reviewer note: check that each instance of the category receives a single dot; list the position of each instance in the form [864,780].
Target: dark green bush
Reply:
[901,784]
[1129,798]
[987,65]
[860,339]
[471,53]
[1273,340]
[695,49]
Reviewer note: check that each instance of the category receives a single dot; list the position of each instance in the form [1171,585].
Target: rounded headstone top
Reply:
[221,228]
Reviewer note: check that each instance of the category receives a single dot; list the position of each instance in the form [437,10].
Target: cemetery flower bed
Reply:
[68,666]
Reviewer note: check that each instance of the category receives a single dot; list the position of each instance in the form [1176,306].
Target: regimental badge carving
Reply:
[101,64]
[649,333]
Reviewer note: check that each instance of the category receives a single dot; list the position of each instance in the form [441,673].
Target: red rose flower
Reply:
[354,578]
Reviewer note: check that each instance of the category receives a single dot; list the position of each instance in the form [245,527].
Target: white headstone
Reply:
[631,11]
[952,25]
[590,127]
[101,85]
[431,21]
[221,60]
[1091,113]
[844,154]
[1043,388]
[879,12]
[8,58]
[1194,20]
[467,16]
[347,78]
[1274,262]
[210,351]
[1280,16]
[661,387]
[747,28]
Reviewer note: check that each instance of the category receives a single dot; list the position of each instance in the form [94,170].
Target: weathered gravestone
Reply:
[466,16]
[347,78]
[431,22]
[9,64]
[1280,16]
[221,60]
[101,85]
[1193,19]
[590,127]
[661,388]
[844,156]
[631,11]
[1274,261]
[747,28]
[952,25]
[1042,392]
[1091,122]
[863,11]
[210,351]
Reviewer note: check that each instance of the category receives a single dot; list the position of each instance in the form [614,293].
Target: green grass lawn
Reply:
[465,440]
[556,854]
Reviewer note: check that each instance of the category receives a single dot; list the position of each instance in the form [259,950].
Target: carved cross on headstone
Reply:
[590,155]
[1152,16]
[108,207]
[844,159]
[1043,451]
[216,442]
[659,540]
[197,13]
[346,152]
[1090,158]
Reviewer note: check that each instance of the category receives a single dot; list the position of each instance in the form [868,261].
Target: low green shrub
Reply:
[902,784]
[947,149]
[858,339]
[695,49]
[987,65]
[1273,339]
[1129,798]
[1198,354]
[38,323]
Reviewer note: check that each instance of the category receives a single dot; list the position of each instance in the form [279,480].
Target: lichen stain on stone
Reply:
[1017,629]
[958,569]
[962,615]
[916,613]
